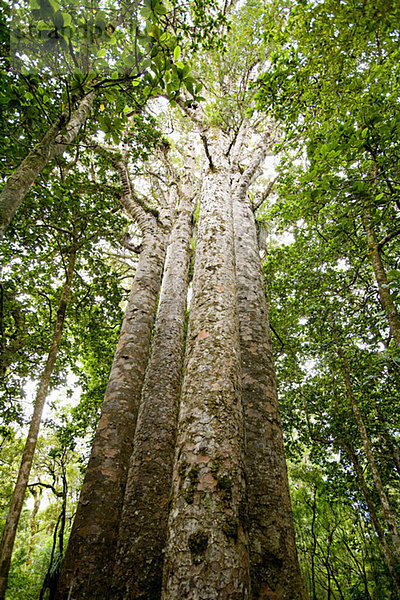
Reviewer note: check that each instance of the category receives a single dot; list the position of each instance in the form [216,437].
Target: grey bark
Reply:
[273,557]
[385,296]
[10,528]
[143,525]
[52,144]
[87,566]
[206,554]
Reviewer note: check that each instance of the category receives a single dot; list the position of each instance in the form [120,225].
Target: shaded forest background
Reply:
[318,84]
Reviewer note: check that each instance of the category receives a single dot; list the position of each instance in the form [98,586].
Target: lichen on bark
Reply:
[210,430]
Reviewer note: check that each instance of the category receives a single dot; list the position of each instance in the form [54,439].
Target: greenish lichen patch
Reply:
[189,489]
[224,485]
[198,542]
[230,528]
[215,467]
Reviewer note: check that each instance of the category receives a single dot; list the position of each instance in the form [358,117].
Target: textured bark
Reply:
[87,566]
[143,525]
[206,555]
[275,573]
[387,511]
[10,528]
[52,144]
[386,299]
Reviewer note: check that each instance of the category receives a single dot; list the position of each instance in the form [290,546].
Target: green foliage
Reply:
[328,74]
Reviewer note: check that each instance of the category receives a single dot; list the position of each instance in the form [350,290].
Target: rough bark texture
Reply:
[87,566]
[10,528]
[275,573]
[206,555]
[143,525]
[386,299]
[52,144]
[386,508]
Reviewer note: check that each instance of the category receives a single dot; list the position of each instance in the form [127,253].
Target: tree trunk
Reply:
[206,555]
[386,299]
[387,511]
[387,552]
[52,144]
[386,437]
[10,529]
[143,525]
[88,561]
[273,557]
[314,545]
[37,497]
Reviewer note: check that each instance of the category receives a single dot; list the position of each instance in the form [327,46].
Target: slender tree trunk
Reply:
[384,434]
[206,555]
[88,561]
[387,552]
[143,525]
[273,555]
[387,511]
[10,529]
[52,144]
[37,496]
[314,546]
[386,299]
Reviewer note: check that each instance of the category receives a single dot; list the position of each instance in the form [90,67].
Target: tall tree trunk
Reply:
[88,562]
[206,554]
[384,434]
[143,525]
[52,144]
[10,529]
[387,511]
[273,556]
[385,296]
[37,497]
[314,545]
[387,552]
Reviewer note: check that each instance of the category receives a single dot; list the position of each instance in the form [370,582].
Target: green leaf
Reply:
[67,19]
[55,5]
[177,53]
[146,13]
[160,9]
[102,52]
[43,26]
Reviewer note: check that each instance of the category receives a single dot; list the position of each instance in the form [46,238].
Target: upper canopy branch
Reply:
[254,167]
[135,206]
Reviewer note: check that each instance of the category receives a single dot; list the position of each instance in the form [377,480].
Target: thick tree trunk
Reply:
[206,555]
[10,529]
[387,511]
[52,144]
[273,557]
[143,525]
[88,561]
[386,299]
